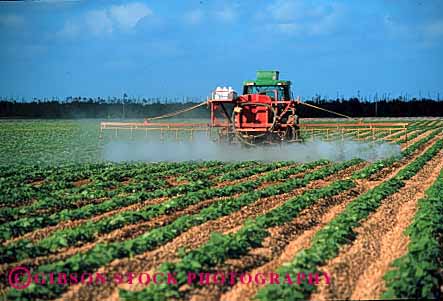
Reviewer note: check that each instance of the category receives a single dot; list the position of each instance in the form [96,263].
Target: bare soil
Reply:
[133,230]
[302,241]
[190,239]
[358,270]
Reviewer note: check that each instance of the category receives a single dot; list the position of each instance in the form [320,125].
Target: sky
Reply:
[188,48]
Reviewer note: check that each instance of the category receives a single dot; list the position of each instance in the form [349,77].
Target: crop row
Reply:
[418,274]
[253,167]
[379,165]
[221,247]
[24,225]
[428,124]
[102,254]
[64,198]
[416,134]
[40,143]
[416,130]
[141,177]
[58,181]
[22,249]
[234,245]
[326,243]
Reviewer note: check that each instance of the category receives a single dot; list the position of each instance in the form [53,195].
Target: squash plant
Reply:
[419,273]
[326,243]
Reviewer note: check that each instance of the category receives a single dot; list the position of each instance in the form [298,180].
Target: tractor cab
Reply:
[267,83]
[268,88]
[263,112]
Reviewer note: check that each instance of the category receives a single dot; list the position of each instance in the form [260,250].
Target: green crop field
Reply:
[349,229]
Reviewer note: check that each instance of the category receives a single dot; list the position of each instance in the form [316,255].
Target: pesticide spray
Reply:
[203,149]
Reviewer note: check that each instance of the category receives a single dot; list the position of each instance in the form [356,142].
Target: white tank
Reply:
[224,93]
[218,92]
[231,93]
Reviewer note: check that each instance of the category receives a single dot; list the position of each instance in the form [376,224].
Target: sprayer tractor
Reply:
[265,113]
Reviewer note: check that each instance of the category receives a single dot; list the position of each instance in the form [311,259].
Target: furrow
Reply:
[133,230]
[301,240]
[358,270]
[195,237]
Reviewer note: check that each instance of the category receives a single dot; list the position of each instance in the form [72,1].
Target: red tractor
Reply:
[265,113]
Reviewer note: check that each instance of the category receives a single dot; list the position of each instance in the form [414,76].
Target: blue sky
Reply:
[187,48]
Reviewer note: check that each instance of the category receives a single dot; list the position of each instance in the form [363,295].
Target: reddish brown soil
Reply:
[174,182]
[198,235]
[410,142]
[81,182]
[37,182]
[42,233]
[130,231]
[359,268]
[192,238]
[260,260]
[388,137]
[244,292]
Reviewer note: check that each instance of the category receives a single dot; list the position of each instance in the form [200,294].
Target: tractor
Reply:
[264,114]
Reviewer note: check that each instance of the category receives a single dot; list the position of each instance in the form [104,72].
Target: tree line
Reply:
[128,108]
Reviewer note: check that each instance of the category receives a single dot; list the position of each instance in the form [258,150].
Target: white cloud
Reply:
[56,1]
[105,21]
[220,13]
[70,30]
[424,34]
[300,17]
[226,14]
[194,17]
[395,28]
[127,16]
[284,10]
[12,20]
[434,29]
[99,22]
[287,27]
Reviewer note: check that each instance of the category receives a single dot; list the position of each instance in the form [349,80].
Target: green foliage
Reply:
[24,225]
[327,242]
[379,165]
[221,247]
[418,274]
[103,253]
[194,191]
[58,192]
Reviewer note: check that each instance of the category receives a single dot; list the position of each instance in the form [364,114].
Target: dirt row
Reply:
[359,268]
[388,137]
[78,203]
[410,141]
[44,232]
[190,239]
[435,122]
[262,260]
[276,255]
[133,230]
